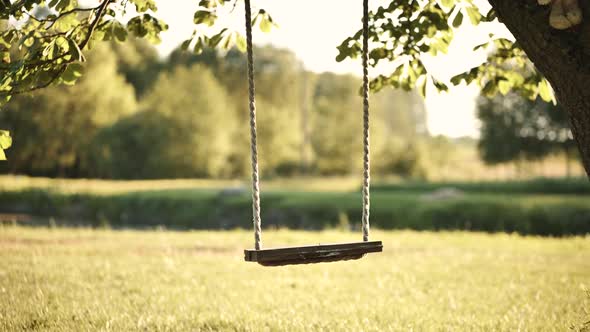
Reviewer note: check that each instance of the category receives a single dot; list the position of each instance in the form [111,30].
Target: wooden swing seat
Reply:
[312,254]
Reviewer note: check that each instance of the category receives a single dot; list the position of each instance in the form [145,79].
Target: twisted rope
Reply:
[366,144]
[253,145]
[253,141]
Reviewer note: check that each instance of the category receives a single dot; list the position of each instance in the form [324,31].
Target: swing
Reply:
[314,253]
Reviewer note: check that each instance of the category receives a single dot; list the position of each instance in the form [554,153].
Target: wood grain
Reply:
[312,254]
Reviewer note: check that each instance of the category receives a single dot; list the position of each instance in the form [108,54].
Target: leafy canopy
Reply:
[404,31]
[42,42]
[46,44]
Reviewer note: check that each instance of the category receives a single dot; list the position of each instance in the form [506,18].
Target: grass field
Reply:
[103,280]
[103,187]
[557,207]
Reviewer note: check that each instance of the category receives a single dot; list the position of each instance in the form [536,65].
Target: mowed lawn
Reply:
[106,280]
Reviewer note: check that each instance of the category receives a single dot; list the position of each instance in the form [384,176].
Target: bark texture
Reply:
[562,56]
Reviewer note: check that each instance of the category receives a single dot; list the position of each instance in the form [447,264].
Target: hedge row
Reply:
[214,210]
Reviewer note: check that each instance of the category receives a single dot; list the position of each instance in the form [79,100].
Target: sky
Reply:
[313,28]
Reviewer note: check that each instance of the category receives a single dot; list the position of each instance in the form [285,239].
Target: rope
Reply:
[253,143]
[366,144]
[253,146]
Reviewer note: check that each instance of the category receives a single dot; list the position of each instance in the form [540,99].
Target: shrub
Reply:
[211,210]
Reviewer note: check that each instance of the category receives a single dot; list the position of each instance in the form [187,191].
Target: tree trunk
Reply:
[562,56]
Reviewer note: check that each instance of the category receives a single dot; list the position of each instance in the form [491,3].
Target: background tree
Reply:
[278,83]
[139,62]
[514,128]
[156,142]
[398,121]
[131,148]
[440,153]
[53,128]
[184,130]
[336,124]
[279,138]
[405,113]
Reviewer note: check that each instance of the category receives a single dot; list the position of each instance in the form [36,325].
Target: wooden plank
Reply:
[312,254]
[280,252]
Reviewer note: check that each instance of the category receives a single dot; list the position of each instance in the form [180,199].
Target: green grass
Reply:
[574,186]
[556,215]
[102,280]
[100,187]
[521,207]
[580,186]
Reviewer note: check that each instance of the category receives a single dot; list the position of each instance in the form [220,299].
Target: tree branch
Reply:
[101,9]
[38,87]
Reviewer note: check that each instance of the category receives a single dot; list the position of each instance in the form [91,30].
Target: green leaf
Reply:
[490,88]
[515,78]
[490,16]
[431,31]
[504,86]
[545,91]
[63,4]
[214,41]
[458,19]
[484,45]
[5,139]
[185,44]
[74,50]
[72,73]
[439,46]
[144,5]
[48,50]
[240,42]
[119,31]
[265,24]
[422,88]
[198,49]
[411,74]
[447,3]
[474,15]
[28,42]
[204,17]
[207,3]
[5,143]
[440,86]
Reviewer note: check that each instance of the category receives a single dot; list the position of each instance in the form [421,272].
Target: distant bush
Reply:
[181,132]
[535,186]
[214,210]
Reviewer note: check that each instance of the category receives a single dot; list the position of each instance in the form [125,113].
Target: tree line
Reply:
[135,115]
